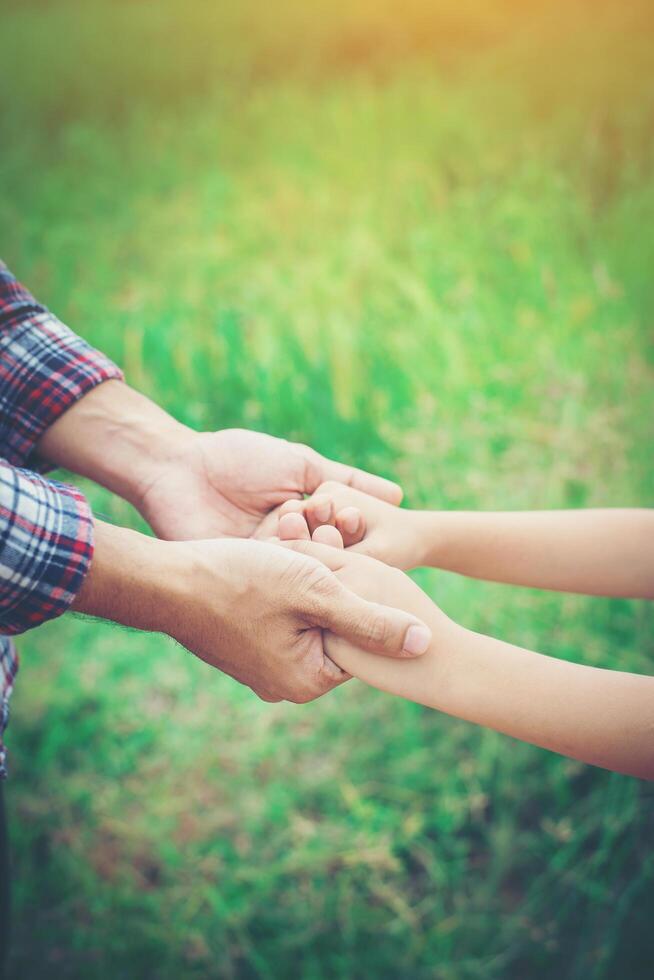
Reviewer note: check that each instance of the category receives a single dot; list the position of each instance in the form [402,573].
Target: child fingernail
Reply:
[417,640]
[351,523]
[323,512]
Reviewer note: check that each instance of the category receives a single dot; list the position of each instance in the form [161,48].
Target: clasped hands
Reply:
[290,593]
[248,606]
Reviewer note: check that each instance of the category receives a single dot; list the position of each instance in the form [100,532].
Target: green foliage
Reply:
[421,238]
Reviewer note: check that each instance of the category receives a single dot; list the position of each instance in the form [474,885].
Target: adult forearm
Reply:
[596,552]
[116,437]
[133,580]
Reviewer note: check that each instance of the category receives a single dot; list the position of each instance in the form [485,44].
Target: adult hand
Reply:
[190,484]
[226,482]
[254,610]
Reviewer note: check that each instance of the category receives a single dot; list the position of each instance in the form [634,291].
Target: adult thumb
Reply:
[374,627]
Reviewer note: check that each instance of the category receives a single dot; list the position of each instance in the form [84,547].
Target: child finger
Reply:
[291,506]
[293,527]
[334,558]
[352,525]
[327,534]
[318,510]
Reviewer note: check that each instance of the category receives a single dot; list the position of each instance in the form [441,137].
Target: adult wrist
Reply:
[134,580]
[116,437]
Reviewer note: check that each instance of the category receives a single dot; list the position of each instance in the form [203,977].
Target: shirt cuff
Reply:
[46,548]
[44,369]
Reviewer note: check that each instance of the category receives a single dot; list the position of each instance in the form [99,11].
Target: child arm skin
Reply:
[606,552]
[603,717]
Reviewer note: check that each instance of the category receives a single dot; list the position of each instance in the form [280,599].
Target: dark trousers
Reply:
[4,888]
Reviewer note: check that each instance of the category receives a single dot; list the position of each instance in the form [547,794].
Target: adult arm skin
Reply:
[252,609]
[189,484]
[608,552]
[248,611]
[603,717]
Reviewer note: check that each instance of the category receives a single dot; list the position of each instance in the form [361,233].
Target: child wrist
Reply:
[420,546]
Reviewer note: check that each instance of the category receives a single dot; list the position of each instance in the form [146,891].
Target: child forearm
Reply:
[599,716]
[596,552]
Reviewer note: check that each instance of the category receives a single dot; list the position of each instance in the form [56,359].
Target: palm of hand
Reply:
[224,483]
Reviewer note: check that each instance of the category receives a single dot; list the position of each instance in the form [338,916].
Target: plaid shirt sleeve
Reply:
[44,369]
[46,539]
[46,546]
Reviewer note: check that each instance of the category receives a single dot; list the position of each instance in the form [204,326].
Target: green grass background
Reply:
[420,237]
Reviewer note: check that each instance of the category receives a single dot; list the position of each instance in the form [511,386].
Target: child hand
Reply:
[365,525]
[377,582]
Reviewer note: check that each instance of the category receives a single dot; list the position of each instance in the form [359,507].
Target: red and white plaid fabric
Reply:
[46,530]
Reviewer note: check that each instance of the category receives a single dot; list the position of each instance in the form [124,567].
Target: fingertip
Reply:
[378,486]
[351,523]
[397,493]
[329,535]
[319,510]
[417,641]
[293,527]
[393,493]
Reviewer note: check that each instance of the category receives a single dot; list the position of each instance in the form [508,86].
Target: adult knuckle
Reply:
[302,573]
[310,681]
[265,696]
[321,584]
[327,585]
[377,631]
[302,694]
